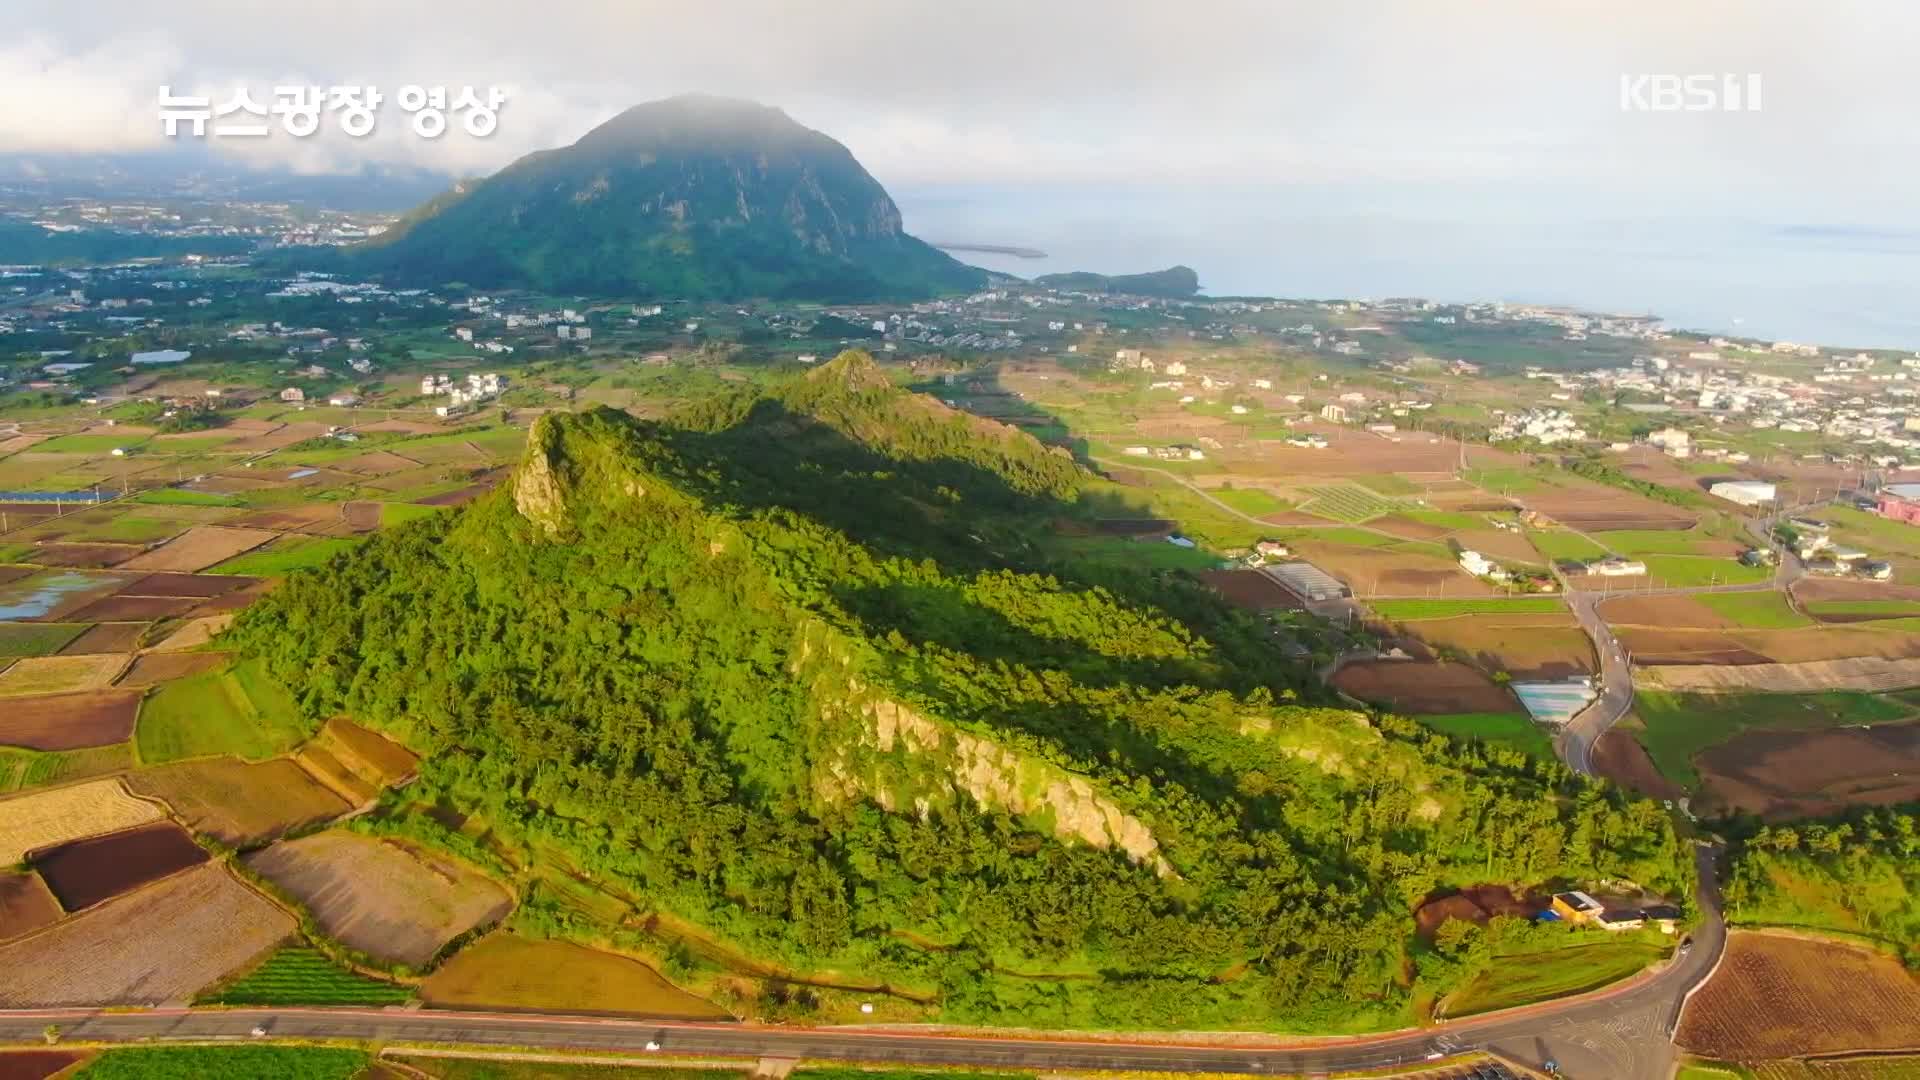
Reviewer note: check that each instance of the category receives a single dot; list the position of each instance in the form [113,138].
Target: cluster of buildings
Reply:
[1548,427]
[1814,544]
[476,389]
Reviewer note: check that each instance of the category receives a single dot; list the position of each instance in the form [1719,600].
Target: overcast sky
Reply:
[1427,100]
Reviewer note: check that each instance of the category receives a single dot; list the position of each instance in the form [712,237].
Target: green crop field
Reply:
[1251,500]
[183,497]
[299,975]
[1506,481]
[1674,727]
[1541,976]
[225,1063]
[1413,610]
[1514,729]
[1686,571]
[1635,543]
[1347,502]
[22,769]
[1561,545]
[1760,610]
[395,513]
[238,710]
[36,639]
[275,560]
[1387,484]
[89,444]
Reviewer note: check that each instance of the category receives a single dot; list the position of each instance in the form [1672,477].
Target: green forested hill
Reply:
[692,196]
[1859,875]
[788,667]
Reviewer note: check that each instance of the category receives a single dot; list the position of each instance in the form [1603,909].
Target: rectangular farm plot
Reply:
[198,548]
[200,586]
[69,721]
[122,607]
[102,638]
[159,945]
[240,803]
[154,668]
[82,556]
[506,971]
[59,675]
[46,596]
[1776,996]
[82,873]
[25,905]
[45,818]
[239,710]
[384,898]
[36,639]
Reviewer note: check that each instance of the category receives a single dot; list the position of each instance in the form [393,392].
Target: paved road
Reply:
[1576,740]
[1601,1035]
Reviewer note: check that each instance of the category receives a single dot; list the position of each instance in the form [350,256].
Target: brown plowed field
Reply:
[150,669]
[240,803]
[321,519]
[195,632]
[25,904]
[37,1064]
[1776,996]
[1407,528]
[124,608]
[1814,589]
[370,755]
[361,516]
[158,945]
[1780,775]
[1620,758]
[84,556]
[198,548]
[1666,612]
[1410,686]
[69,721]
[1654,645]
[202,586]
[389,900]
[1530,646]
[105,638]
[1251,589]
[83,873]
[1392,573]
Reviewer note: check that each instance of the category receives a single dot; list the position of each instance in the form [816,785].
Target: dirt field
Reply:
[55,815]
[1654,646]
[1860,673]
[82,873]
[236,802]
[68,721]
[1414,687]
[151,668]
[1620,758]
[1669,612]
[1373,572]
[371,756]
[388,900]
[1797,774]
[318,519]
[124,608]
[202,586]
[1815,589]
[25,904]
[105,638]
[161,944]
[1479,905]
[1776,996]
[37,1064]
[506,971]
[360,516]
[198,548]
[1250,589]
[84,556]
[1526,646]
[195,632]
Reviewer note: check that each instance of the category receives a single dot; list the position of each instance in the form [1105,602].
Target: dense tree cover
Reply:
[688,197]
[1859,873]
[663,651]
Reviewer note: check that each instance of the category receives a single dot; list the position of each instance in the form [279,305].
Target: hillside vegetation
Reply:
[792,667]
[1859,875]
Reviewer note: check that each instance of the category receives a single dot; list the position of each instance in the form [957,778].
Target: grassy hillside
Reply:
[796,668]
